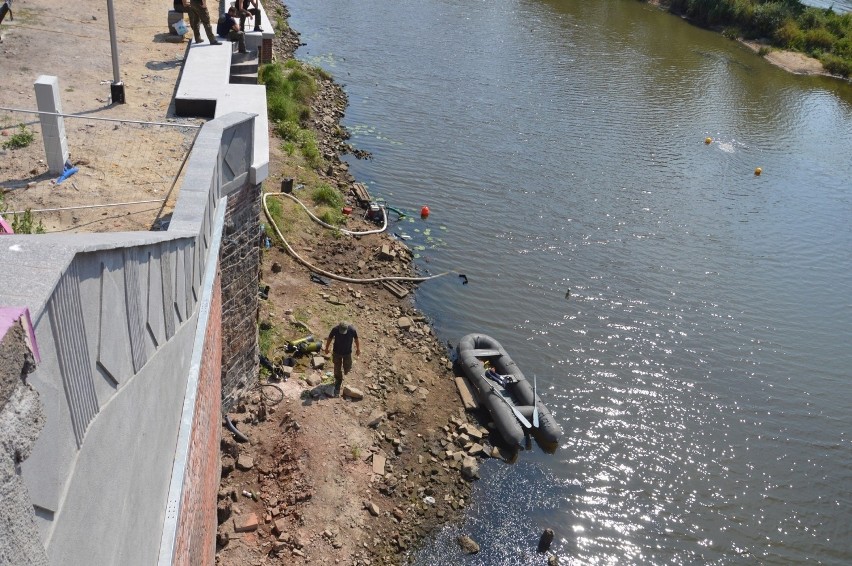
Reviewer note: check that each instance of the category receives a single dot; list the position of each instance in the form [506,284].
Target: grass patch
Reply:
[332,217]
[289,90]
[273,204]
[20,139]
[268,338]
[325,194]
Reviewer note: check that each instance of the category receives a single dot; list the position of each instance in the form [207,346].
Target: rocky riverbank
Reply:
[362,478]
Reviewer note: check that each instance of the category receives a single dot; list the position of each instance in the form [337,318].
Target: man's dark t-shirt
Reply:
[343,342]
[225,25]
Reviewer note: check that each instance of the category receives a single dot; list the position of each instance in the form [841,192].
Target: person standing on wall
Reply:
[198,14]
[342,335]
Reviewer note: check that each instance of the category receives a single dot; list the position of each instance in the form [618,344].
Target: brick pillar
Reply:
[240,265]
[266,51]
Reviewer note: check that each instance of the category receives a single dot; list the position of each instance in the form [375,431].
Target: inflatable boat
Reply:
[514,405]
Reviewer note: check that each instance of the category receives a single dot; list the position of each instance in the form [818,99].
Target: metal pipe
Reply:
[113,43]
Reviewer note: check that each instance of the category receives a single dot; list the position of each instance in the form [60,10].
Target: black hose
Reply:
[240,436]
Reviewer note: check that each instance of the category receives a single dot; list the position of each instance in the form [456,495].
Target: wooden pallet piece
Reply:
[398,290]
[467,396]
[359,190]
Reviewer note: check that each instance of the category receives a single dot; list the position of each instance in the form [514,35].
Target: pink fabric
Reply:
[11,315]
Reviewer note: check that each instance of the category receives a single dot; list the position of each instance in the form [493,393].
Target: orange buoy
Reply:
[758,171]
[424,212]
[708,141]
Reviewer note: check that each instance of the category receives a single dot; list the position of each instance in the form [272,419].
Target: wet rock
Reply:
[552,560]
[545,541]
[467,544]
[470,469]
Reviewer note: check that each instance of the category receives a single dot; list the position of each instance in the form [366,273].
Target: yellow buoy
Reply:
[758,171]
[708,140]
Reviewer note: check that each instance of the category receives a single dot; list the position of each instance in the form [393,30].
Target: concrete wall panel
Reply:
[127,483]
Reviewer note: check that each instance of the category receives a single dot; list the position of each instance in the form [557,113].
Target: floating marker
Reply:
[708,141]
[758,171]
[424,212]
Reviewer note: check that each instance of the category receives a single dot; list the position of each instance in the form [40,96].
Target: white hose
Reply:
[350,232]
[328,274]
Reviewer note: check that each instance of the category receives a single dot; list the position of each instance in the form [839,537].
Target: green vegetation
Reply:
[331,202]
[289,89]
[267,338]
[787,24]
[332,217]
[24,224]
[327,195]
[277,213]
[22,138]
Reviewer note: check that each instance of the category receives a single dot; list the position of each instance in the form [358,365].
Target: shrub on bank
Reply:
[289,90]
[327,195]
[789,24]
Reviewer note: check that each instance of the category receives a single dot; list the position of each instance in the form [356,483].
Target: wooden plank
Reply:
[361,194]
[467,396]
[398,290]
[483,353]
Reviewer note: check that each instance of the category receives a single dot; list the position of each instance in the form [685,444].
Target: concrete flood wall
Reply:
[129,330]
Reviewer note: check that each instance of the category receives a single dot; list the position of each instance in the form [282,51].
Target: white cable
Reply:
[328,274]
[350,232]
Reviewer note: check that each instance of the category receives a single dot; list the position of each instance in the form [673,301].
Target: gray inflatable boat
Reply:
[512,404]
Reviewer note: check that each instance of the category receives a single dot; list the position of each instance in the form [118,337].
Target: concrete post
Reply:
[52,127]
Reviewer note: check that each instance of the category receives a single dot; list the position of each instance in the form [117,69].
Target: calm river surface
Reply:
[701,364]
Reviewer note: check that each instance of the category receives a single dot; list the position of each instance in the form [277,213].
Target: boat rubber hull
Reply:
[473,350]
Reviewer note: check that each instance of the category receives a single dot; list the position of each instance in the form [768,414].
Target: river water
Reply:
[700,365]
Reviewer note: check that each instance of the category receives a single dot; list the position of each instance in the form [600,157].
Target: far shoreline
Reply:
[791,61]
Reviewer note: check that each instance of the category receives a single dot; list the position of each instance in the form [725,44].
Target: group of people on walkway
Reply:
[227,26]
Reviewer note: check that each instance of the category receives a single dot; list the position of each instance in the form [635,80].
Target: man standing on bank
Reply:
[342,335]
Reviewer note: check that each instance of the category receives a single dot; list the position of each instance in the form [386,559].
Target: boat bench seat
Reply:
[483,353]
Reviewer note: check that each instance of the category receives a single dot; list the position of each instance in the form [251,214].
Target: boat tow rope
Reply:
[329,274]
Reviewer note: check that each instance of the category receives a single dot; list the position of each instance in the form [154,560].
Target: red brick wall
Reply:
[266,51]
[196,536]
